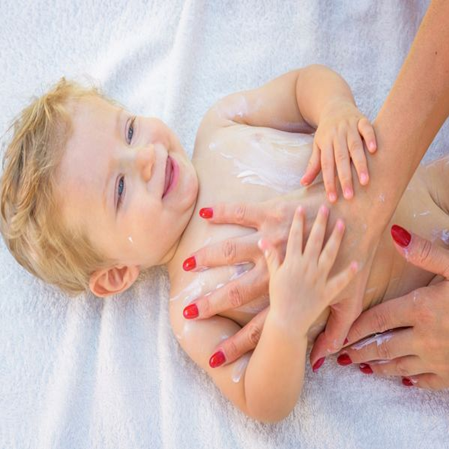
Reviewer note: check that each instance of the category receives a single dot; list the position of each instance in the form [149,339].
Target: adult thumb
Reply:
[421,252]
[270,254]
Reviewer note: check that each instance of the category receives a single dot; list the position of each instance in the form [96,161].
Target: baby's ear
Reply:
[106,282]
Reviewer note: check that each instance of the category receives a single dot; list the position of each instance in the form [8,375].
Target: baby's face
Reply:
[128,181]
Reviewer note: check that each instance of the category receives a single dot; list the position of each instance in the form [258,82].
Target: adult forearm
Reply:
[416,107]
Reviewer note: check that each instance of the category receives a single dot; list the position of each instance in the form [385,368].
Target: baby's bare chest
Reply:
[249,163]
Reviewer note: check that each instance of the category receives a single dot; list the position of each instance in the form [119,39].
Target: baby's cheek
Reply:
[159,133]
[145,238]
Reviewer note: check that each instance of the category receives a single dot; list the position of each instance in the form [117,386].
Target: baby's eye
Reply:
[131,130]
[120,188]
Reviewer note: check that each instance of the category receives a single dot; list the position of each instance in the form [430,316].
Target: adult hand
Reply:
[416,343]
[272,219]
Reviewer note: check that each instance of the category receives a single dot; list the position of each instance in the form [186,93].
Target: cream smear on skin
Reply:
[206,281]
[377,338]
[240,368]
[268,148]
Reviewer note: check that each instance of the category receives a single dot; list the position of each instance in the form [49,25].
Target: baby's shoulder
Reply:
[223,114]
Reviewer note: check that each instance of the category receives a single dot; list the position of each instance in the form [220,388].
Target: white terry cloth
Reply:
[90,373]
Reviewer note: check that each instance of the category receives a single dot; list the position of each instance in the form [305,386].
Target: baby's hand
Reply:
[300,287]
[338,139]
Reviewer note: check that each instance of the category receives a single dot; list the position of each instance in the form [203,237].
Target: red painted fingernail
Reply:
[344,359]
[189,264]
[206,212]
[365,368]
[407,382]
[346,340]
[318,364]
[217,359]
[400,236]
[190,312]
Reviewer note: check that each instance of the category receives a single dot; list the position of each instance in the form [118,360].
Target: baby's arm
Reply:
[299,291]
[267,388]
[305,100]
[291,102]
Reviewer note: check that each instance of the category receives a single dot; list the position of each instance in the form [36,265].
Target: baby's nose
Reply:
[144,161]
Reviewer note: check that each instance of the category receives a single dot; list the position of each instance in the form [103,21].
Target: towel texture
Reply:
[91,373]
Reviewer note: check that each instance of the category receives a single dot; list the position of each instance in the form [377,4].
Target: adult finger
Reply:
[385,346]
[358,157]
[327,166]
[227,252]
[409,365]
[421,252]
[313,167]
[245,214]
[234,294]
[398,312]
[367,131]
[411,370]
[332,338]
[428,381]
[343,164]
[240,343]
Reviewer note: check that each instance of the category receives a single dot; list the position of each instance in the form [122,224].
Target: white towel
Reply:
[92,373]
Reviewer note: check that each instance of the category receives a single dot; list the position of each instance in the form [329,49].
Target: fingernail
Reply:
[332,197]
[189,264]
[344,359]
[206,212]
[190,311]
[372,145]
[407,382]
[348,193]
[365,368]
[363,178]
[346,340]
[304,182]
[318,364]
[217,359]
[400,236]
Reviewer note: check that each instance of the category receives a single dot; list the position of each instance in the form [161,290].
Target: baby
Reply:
[92,196]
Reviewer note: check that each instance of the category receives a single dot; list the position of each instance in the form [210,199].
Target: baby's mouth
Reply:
[168,175]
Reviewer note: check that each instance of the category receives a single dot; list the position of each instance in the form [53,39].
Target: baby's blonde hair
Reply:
[31,221]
